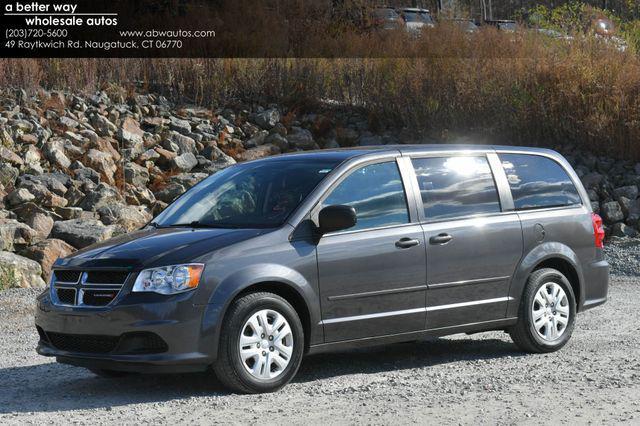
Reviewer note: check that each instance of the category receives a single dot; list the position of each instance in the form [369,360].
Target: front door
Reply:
[473,246]
[372,276]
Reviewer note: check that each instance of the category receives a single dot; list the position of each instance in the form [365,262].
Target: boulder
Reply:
[47,252]
[170,192]
[54,152]
[8,156]
[268,118]
[185,162]
[103,163]
[67,213]
[259,152]
[611,212]
[136,175]
[18,271]
[19,196]
[278,140]
[256,139]
[592,180]
[179,143]
[180,126]
[103,195]
[129,218]
[8,174]
[41,223]
[623,231]
[630,192]
[301,139]
[188,179]
[142,195]
[81,233]
[103,126]
[15,235]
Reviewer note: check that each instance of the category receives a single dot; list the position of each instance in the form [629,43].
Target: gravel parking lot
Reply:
[462,379]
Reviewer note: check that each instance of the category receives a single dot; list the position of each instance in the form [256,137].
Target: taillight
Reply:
[598,230]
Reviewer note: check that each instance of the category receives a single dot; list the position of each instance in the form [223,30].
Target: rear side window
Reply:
[456,186]
[377,194]
[538,182]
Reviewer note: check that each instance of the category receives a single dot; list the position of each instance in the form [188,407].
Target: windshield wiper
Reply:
[197,224]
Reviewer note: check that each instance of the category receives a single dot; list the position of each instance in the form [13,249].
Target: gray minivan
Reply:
[272,259]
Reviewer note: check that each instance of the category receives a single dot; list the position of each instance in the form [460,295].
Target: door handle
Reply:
[440,239]
[406,243]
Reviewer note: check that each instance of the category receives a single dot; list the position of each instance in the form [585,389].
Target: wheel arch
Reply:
[277,279]
[289,294]
[548,255]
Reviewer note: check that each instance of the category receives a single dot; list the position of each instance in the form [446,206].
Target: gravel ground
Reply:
[461,380]
[623,256]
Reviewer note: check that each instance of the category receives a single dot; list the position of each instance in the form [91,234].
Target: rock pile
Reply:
[76,169]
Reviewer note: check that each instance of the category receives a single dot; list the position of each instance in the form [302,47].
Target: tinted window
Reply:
[377,194]
[456,186]
[538,182]
[252,195]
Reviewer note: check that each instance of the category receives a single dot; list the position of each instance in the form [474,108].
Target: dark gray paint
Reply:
[356,288]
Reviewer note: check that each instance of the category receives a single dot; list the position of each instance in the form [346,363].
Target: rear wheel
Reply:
[261,344]
[547,313]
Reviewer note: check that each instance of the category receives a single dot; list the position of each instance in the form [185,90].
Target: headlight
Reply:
[169,279]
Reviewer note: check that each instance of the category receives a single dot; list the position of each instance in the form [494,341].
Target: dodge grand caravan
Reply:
[269,260]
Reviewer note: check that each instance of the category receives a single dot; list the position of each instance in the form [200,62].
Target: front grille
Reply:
[106,277]
[67,276]
[66,296]
[141,343]
[98,297]
[83,343]
[87,288]
[125,344]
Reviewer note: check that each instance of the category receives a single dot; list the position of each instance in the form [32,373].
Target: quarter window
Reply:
[377,194]
[538,182]
[456,186]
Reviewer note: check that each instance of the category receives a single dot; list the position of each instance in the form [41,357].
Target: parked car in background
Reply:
[386,18]
[552,33]
[466,25]
[416,20]
[269,260]
[503,24]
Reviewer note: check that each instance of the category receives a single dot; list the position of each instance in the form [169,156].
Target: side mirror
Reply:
[336,218]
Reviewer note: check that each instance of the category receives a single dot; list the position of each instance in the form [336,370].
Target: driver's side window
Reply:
[377,194]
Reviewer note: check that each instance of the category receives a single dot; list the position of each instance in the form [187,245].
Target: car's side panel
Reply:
[271,258]
[469,277]
[369,286]
[564,233]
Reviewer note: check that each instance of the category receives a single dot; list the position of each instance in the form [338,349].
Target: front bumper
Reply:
[174,320]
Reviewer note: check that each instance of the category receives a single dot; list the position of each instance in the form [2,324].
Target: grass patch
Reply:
[8,277]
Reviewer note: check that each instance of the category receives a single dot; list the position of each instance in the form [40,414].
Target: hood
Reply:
[156,247]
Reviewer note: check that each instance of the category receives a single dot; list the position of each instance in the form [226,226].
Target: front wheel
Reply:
[261,344]
[547,313]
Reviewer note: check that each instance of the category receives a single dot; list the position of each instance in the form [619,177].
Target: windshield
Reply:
[255,195]
[389,14]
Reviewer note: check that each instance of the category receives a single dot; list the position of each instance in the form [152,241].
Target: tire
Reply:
[540,317]
[259,369]
[109,374]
